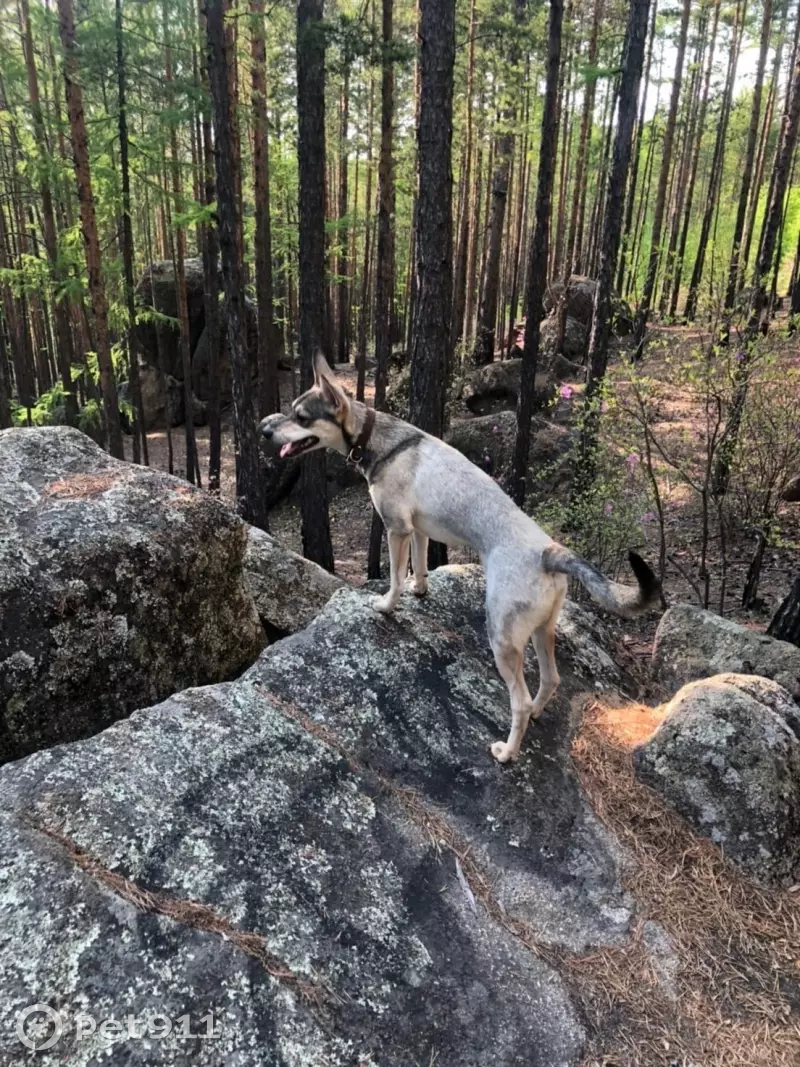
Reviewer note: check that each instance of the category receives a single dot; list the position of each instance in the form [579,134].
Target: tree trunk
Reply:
[680,175]
[773,221]
[5,383]
[80,152]
[483,351]
[766,127]
[434,232]
[536,279]
[460,280]
[637,147]
[384,286]
[59,301]
[180,256]
[632,61]
[311,204]
[692,176]
[749,157]
[210,281]
[643,311]
[575,235]
[127,249]
[785,625]
[250,485]
[690,308]
[343,267]
[268,335]
[363,315]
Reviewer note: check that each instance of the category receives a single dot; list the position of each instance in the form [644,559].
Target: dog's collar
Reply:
[358,451]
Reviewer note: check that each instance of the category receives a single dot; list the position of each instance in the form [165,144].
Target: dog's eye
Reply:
[302,420]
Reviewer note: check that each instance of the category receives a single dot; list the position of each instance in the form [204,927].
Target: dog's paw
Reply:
[418,588]
[503,753]
[384,604]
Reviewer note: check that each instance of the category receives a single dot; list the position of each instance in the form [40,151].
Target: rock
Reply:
[727,758]
[158,281]
[200,381]
[495,387]
[580,304]
[488,441]
[288,590]
[580,297]
[691,643]
[301,819]
[791,494]
[153,401]
[118,586]
[156,287]
[574,343]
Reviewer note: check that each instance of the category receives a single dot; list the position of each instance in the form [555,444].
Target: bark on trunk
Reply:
[311,162]
[80,152]
[536,280]
[65,355]
[434,233]
[269,341]
[643,311]
[749,158]
[250,486]
[384,284]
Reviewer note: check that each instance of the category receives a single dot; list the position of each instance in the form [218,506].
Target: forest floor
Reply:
[680,424]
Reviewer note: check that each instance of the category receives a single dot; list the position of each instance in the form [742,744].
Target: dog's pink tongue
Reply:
[287,448]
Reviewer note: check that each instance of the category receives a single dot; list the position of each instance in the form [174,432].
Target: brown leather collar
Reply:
[358,452]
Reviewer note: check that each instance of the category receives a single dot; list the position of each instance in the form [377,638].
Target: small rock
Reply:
[289,591]
[727,758]
[691,643]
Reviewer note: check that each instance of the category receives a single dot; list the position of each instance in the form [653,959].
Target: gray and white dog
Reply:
[422,488]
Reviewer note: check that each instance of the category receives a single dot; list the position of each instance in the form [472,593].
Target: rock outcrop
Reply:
[692,643]
[495,387]
[282,851]
[573,343]
[118,586]
[488,442]
[288,590]
[727,757]
[161,339]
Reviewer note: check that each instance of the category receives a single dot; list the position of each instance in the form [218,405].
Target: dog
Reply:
[422,488]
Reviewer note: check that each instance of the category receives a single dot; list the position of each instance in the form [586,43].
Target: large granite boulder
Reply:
[288,590]
[691,643]
[488,442]
[495,387]
[300,853]
[579,297]
[157,288]
[727,757]
[573,343]
[118,586]
[159,337]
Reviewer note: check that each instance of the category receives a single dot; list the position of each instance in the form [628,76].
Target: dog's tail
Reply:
[622,600]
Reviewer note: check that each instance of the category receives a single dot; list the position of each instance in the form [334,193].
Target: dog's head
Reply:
[318,419]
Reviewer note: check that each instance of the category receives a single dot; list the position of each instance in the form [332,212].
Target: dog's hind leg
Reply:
[508,655]
[399,544]
[419,563]
[544,642]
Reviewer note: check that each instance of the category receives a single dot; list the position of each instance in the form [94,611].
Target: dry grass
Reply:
[738,985]
[80,486]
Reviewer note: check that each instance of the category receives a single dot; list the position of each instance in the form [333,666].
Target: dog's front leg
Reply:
[399,544]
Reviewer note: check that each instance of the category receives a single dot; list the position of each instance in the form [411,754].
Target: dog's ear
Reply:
[327,383]
[322,368]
